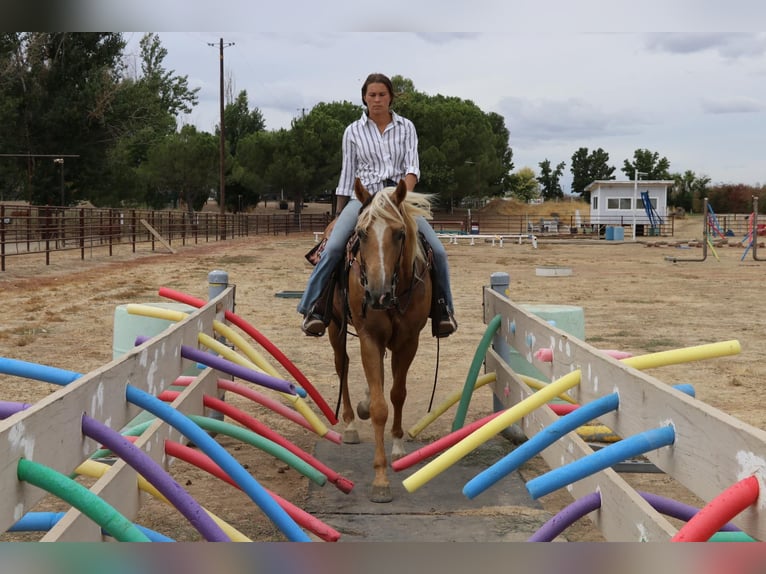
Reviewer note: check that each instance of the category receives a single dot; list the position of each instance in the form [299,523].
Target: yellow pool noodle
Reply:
[418,427]
[516,412]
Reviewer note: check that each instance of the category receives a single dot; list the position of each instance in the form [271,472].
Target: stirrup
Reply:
[313,325]
[447,325]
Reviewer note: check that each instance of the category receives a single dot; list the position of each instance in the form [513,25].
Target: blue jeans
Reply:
[334,251]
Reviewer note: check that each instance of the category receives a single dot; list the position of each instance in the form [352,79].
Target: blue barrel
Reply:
[610,233]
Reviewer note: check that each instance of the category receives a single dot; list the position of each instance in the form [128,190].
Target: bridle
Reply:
[395,302]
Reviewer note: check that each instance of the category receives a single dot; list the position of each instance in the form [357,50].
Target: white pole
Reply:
[635,192]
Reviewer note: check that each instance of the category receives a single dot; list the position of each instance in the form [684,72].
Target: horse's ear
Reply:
[401,192]
[360,191]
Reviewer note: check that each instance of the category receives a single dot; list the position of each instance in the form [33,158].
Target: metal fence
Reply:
[28,231]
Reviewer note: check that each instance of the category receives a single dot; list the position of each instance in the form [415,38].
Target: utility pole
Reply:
[222,141]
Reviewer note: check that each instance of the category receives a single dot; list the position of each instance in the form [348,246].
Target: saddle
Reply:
[324,304]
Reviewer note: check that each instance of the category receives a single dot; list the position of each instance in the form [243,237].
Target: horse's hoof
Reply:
[363,410]
[351,436]
[381,494]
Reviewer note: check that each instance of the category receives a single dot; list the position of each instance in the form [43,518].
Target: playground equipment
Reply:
[655,220]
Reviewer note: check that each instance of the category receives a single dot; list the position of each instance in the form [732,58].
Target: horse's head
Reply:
[388,240]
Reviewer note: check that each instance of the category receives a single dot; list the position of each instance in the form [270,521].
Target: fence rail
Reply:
[44,230]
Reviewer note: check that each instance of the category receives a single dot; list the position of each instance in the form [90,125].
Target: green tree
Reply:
[56,91]
[524,185]
[182,166]
[463,151]
[589,167]
[648,163]
[687,188]
[240,121]
[549,179]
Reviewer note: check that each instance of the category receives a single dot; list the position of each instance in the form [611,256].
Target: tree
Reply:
[240,120]
[463,151]
[56,92]
[589,167]
[524,185]
[648,163]
[182,166]
[687,188]
[549,178]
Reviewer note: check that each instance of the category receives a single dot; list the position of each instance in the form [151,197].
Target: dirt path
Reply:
[633,300]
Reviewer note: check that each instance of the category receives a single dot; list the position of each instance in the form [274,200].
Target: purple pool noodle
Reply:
[567,517]
[8,408]
[679,510]
[232,368]
[157,476]
[579,508]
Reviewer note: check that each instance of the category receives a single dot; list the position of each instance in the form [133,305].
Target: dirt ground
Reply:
[633,299]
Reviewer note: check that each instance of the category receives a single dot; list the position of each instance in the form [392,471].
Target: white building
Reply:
[620,202]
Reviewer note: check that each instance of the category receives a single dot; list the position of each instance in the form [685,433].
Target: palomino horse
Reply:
[388,303]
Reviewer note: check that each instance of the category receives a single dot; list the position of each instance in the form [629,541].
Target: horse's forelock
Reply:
[383,206]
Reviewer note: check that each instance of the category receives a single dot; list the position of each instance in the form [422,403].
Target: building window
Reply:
[622,203]
[595,203]
[652,200]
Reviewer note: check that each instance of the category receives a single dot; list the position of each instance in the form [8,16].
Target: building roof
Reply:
[627,183]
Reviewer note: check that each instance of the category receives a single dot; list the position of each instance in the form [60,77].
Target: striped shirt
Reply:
[374,157]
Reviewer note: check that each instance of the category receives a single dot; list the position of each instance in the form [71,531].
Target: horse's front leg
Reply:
[372,361]
[401,359]
[338,342]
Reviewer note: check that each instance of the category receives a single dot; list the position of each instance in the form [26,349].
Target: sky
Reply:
[683,78]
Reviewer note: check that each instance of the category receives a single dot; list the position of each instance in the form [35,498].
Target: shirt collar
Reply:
[395,118]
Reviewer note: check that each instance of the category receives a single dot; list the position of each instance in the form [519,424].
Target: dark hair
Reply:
[377,79]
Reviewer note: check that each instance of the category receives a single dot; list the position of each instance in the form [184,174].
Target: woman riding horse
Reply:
[380,148]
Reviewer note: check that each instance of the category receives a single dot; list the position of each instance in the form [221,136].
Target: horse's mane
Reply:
[382,206]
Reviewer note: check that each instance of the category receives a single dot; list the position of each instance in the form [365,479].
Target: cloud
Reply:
[543,120]
[727,45]
[735,105]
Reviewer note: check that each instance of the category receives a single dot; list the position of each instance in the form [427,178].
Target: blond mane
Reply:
[382,206]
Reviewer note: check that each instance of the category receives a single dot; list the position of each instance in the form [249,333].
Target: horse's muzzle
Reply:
[380,301]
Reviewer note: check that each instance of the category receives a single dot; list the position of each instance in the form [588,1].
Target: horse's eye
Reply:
[399,235]
[362,233]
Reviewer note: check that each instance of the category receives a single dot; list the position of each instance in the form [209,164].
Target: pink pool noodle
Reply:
[546,355]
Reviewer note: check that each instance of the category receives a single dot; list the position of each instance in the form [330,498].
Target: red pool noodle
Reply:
[265,343]
[719,511]
[204,462]
[440,444]
[267,402]
[343,484]
[303,518]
